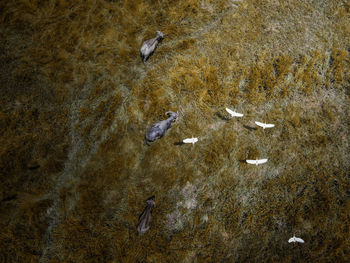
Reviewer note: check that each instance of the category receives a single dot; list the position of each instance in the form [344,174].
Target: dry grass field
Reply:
[76,102]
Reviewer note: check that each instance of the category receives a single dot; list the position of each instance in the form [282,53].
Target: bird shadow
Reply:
[221,116]
[179,143]
[242,161]
[9,198]
[34,167]
[250,128]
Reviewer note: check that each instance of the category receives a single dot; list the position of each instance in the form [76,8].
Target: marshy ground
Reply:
[76,102]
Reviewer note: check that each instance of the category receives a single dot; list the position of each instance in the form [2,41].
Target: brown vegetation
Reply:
[76,101]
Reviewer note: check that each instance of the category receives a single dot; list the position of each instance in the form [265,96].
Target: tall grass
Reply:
[76,102]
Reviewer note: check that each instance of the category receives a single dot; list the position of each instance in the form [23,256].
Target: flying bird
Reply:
[191,140]
[256,162]
[233,113]
[264,125]
[295,239]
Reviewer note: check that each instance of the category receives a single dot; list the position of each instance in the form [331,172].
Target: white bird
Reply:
[256,162]
[233,113]
[191,140]
[264,125]
[295,239]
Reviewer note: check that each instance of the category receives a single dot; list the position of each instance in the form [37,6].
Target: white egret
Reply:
[191,140]
[256,162]
[264,125]
[233,113]
[295,239]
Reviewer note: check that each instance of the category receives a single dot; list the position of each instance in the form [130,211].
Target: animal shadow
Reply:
[250,128]
[221,116]
[179,143]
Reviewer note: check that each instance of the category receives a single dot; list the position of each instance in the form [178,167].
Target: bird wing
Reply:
[299,240]
[269,125]
[260,124]
[230,111]
[251,161]
[236,114]
[262,161]
[233,113]
[190,140]
[292,239]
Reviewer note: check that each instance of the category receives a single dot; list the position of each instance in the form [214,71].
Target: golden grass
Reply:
[76,102]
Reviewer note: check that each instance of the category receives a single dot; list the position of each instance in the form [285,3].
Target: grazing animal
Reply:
[158,130]
[145,217]
[149,46]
